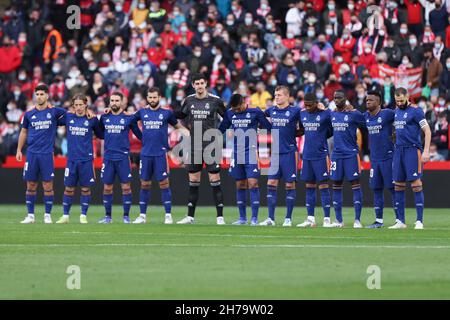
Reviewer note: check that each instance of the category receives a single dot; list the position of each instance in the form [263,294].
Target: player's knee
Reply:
[290,185]
[126,188]
[355,183]
[252,183]
[69,191]
[215,183]
[85,191]
[272,183]
[337,185]
[146,185]
[311,185]
[400,186]
[31,186]
[241,184]
[324,186]
[108,189]
[416,186]
[48,187]
[164,184]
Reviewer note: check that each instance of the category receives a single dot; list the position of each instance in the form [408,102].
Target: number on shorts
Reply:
[25,168]
[333,166]
[140,166]
[66,172]
[103,167]
[371,173]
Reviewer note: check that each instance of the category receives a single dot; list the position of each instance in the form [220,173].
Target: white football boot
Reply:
[186,220]
[267,222]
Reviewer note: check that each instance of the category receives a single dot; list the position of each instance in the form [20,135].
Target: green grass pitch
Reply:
[206,261]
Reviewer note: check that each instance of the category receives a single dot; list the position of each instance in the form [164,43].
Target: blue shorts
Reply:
[112,167]
[407,164]
[348,168]
[38,166]
[244,171]
[79,172]
[285,167]
[381,174]
[315,170]
[154,166]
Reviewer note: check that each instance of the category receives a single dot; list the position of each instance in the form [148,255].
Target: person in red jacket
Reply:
[10,57]
[367,59]
[415,20]
[344,45]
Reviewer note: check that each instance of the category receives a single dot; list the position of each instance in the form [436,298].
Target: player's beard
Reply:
[154,105]
[403,105]
[115,108]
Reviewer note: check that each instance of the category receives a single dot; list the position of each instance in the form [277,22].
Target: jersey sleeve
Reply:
[183,112]
[172,120]
[137,132]
[62,120]
[136,117]
[101,124]
[225,123]
[99,133]
[221,108]
[59,112]
[359,119]
[419,117]
[263,122]
[267,112]
[25,123]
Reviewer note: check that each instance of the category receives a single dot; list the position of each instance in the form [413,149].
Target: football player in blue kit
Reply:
[409,122]
[284,154]
[379,123]
[80,156]
[316,161]
[154,161]
[345,161]
[38,131]
[244,166]
[116,126]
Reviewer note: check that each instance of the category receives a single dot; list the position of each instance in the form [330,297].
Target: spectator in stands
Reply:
[260,97]
[434,154]
[440,135]
[432,70]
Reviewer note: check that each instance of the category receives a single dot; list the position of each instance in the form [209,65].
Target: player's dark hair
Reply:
[41,87]
[80,96]
[401,91]
[340,91]
[154,89]
[310,97]
[117,93]
[283,88]
[199,76]
[374,93]
[236,100]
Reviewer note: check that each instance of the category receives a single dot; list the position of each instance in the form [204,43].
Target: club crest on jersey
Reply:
[379,120]
[161,116]
[287,113]
[346,118]
[207,106]
[122,121]
[86,123]
[405,115]
[247,115]
[318,118]
[49,116]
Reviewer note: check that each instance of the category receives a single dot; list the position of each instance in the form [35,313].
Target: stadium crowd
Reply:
[246,47]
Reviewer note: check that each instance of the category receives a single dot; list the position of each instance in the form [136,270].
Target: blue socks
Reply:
[85,200]
[30,200]
[254,201]
[378,204]
[291,194]
[419,201]
[271,200]
[310,201]
[126,202]
[400,204]
[357,201]
[107,203]
[144,198]
[241,201]
[166,198]
[48,200]
[326,201]
[394,206]
[337,202]
[67,204]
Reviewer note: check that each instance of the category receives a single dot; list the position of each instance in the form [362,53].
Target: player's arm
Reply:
[62,120]
[137,132]
[177,125]
[99,130]
[263,122]
[183,111]
[60,112]
[222,109]
[224,124]
[22,139]
[426,149]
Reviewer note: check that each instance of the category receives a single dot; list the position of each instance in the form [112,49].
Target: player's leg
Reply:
[31,176]
[352,168]
[272,185]
[107,175]
[214,181]
[145,172]
[413,165]
[47,171]
[195,174]
[241,201]
[166,198]
[376,183]
[30,199]
[124,171]
[289,168]
[337,176]
[417,188]
[307,175]
[399,177]
[387,174]
[85,200]
[325,198]
[87,180]
[70,182]
[253,187]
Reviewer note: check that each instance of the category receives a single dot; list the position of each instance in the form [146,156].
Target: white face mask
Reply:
[201,29]
[61,131]
[290,80]
[162,102]
[197,53]
[205,39]
[311,33]
[169,81]
[413,41]
[22,77]
[248,21]
[329,32]
[141,6]
[140,82]
[163,67]
[367,50]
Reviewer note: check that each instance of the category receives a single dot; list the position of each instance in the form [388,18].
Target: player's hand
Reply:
[90,114]
[19,155]
[425,157]
[107,110]
[185,132]
[321,106]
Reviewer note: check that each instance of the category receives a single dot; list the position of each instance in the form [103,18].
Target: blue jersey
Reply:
[155,135]
[79,136]
[345,124]
[318,128]
[116,130]
[286,121]
[408,123]
[249,119]
[41,126]
[380,134]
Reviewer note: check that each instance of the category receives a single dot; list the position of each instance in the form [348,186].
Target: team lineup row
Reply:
[392,163]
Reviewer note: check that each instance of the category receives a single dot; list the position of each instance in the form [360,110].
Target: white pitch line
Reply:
[297,246]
